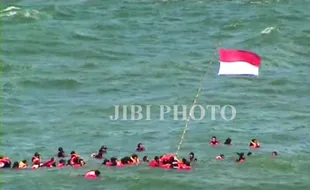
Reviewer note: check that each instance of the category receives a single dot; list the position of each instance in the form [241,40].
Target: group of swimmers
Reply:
[75,161]
[254,144]
[167,161]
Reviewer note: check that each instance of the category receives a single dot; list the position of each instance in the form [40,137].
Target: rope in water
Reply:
[191,112]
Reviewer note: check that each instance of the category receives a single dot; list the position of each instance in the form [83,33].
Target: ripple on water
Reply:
[46,83]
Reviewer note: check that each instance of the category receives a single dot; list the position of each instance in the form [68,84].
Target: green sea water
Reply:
[65,64]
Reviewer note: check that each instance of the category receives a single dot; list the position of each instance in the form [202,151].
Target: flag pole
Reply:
[195,100]
[191,112]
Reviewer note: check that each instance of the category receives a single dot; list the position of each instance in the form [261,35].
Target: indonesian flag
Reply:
[238,62]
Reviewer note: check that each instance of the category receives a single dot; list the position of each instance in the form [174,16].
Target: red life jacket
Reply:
[36,160]
[90,175]
[49,164]
[219,158]
[60,165]
[154,164]
[214,143]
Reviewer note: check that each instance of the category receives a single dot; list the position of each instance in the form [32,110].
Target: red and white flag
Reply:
[238,62]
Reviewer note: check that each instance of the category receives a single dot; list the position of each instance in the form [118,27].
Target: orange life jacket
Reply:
[73,157]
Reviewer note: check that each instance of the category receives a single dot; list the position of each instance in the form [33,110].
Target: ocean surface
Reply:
[65,64]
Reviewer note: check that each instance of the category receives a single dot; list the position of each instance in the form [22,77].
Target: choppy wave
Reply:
[22,15]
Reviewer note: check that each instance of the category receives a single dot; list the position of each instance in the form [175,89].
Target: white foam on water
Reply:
[267,30]
[10,9]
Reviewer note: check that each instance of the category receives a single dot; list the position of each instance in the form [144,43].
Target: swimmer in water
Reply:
[74,158]
[184,164]
[155,162]
[23,164]
[130,160]
[192,157]
[5,162]
[81,162]
[61,153]
[174,163]
[254,144]
[145,159]
[214,141]
[92,174]
[220,157]
[228,141]
[114,162]
[36,160]
[61,164]
[274,154]
[103,149]
[101,152]
[15,165]
[105,161]
[97,156]
[51,163]
[241,157]
[140,148]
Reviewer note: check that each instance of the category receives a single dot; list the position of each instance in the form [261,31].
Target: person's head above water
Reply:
[241,157]
[228,141]
[81,162]
[254,143]
[274,153]
[213,138]
[103,149]
[97,172]
[105,161]
[145,159]
[113,159]
[240,154]
[15,165]
[139,145]
[134,156]
[191,155]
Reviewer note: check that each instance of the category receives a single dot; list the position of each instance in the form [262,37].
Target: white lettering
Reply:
[176,112]
[202,112]
[213,110]
[162,112]
[134,112]
[233,112]
[116,113]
